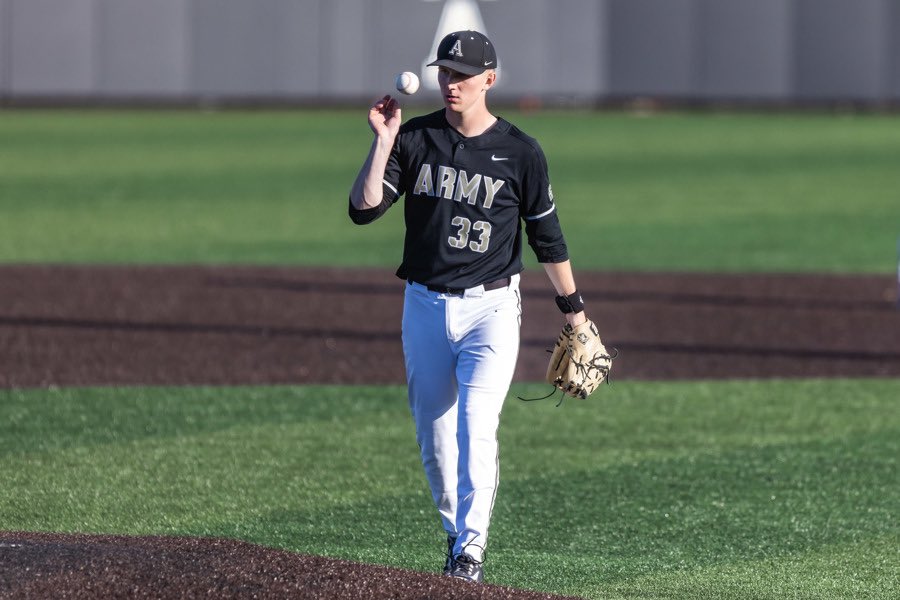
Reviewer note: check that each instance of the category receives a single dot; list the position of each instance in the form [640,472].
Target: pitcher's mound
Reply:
[49,565]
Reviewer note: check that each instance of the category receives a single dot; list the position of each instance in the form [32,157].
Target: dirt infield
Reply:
[67,326]
[78,326]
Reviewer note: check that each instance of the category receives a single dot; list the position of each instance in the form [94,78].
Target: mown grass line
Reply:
[695,192]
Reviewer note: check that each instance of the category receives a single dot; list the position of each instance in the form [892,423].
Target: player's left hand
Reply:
[580,361]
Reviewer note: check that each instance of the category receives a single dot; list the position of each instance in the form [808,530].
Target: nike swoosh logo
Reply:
[488,62]
[499,157]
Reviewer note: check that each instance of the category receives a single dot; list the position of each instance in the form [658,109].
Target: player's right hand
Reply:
[385,117]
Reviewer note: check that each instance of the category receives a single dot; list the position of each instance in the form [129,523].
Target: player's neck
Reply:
[473,122]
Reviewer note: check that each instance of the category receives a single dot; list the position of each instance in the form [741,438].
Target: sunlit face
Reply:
[460,91]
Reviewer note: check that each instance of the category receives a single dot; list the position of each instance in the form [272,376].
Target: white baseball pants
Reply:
[460,353]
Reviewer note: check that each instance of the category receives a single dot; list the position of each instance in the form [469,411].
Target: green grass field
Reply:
[765,489]
[683,490]
[667,192]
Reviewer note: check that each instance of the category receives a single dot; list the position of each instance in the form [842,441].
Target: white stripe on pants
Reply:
[460,354]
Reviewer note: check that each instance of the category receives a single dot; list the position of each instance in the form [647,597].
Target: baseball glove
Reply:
[579,362]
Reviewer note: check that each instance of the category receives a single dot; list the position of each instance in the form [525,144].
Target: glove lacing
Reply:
[584,369]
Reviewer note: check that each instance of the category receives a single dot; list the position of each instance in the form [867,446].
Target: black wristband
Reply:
[571,303]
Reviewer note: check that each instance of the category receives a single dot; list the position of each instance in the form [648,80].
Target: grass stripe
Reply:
[723,192]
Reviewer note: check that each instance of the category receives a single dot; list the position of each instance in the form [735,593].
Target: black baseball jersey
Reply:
[465,201]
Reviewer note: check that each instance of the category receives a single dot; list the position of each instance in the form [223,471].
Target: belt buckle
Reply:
[442,289]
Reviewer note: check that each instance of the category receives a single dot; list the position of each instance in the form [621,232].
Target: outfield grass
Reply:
[672,490]
[692,192]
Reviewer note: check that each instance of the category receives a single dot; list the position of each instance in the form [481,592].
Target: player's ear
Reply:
[490,80]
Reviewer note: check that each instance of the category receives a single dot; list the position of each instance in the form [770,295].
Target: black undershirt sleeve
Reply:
[367,215]
[391,186]
[546,239]
[539,212]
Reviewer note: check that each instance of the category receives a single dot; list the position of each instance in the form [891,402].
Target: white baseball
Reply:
[407,82]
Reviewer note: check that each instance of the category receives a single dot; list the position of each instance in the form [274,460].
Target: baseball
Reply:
[407,82]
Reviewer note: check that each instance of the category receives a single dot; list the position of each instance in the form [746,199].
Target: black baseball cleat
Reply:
[466,567]
[448,565]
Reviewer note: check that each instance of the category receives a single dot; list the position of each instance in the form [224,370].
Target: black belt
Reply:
[490,285]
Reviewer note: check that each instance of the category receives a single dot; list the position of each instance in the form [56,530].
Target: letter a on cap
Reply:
[456,50]
[457,15]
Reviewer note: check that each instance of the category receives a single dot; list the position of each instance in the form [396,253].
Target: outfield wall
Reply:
[563,51]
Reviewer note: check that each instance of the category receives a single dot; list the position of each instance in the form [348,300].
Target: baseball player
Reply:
[470,181]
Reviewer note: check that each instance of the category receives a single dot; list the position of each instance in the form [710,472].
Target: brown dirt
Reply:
[78,326]
[45,565]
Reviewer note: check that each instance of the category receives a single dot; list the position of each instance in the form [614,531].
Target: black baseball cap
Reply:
[468,52]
